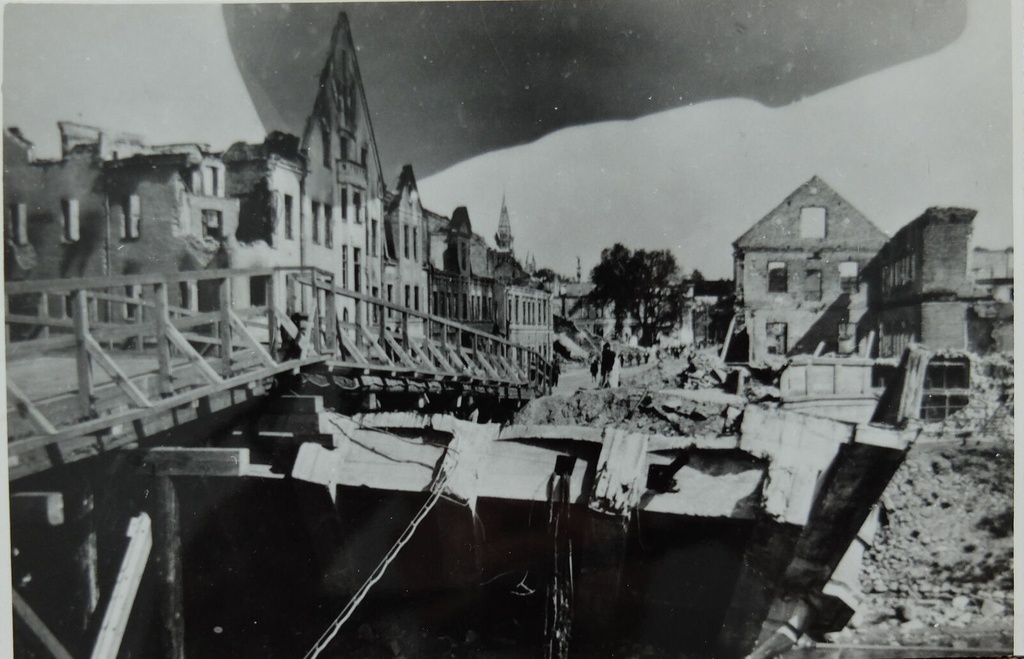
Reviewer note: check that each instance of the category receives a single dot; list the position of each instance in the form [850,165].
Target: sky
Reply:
[672,123]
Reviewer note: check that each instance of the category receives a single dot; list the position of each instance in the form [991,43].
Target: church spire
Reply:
[503,239]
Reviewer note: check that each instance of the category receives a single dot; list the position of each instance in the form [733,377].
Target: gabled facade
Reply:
[406,255]
[342,214]
[798,273]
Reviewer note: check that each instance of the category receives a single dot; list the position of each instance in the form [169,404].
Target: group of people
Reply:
[609,365]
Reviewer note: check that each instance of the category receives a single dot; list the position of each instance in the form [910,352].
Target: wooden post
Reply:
[163,348]
[80,313]
[167,537]
[226,346]
[44,313]
[78,513]
[272,314]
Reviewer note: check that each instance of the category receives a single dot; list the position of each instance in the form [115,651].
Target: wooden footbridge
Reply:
[103,363]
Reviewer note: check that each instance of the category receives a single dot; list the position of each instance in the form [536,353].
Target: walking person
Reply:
[595,365]
[607,361]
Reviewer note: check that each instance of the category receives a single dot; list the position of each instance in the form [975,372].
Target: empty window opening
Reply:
[776,338]
[812,285]
[778,277]
[848,276]
[812,222]
[213,224]
[70,209]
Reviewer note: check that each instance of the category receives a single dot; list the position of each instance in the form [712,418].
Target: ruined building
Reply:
[922,288]
[798,274]
[113,205]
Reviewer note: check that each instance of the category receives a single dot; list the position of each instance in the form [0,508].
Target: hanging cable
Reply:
[346,613]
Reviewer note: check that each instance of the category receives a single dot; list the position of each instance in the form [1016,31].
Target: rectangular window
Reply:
[433,303]
[408,295]
[848,277]
[465,306]
[376,293]
[775,338]
[344,266]
[373,237]
[325,143]
[405,240]
[258,290]
[315,218]
[415,245]
[328,225]
[946,387]
[778,277]
[212,224]
[362,156]
[357,203]
[343,147]
[812,222]
[289,230]
[416,298]
[344,204]
[391,297]
[70,208]
[19,223]
[132,217]
[812,285]
[356,269]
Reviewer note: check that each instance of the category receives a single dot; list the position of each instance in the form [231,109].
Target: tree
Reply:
[642,284]
[547,275]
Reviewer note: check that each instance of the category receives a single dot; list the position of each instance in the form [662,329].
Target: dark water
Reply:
[268,565]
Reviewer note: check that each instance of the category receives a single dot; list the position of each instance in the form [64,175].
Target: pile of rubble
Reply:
[940,572]
[664,412]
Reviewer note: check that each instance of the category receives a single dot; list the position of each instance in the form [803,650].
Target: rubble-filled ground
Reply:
[940,572]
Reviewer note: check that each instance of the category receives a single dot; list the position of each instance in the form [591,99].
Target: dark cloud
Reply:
[448,81]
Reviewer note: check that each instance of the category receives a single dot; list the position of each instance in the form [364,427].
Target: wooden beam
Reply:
[182,344]
[374,344]
[80,311]
[174,461]
[167,537]
[226,342]
[33,508]
[349,345]
[438,356]
[163,348]
[84,591]
[38,628]
[30,411]
[115,373]
[115,620]
[403,356]
[250,340]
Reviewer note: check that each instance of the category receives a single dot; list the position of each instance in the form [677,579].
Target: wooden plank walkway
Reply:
[95,364]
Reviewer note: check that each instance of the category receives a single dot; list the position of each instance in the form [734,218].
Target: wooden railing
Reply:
[87,355]
[369,332]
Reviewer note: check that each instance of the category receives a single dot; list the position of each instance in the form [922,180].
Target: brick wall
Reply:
[943,325]
[945,247]
[42,187]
